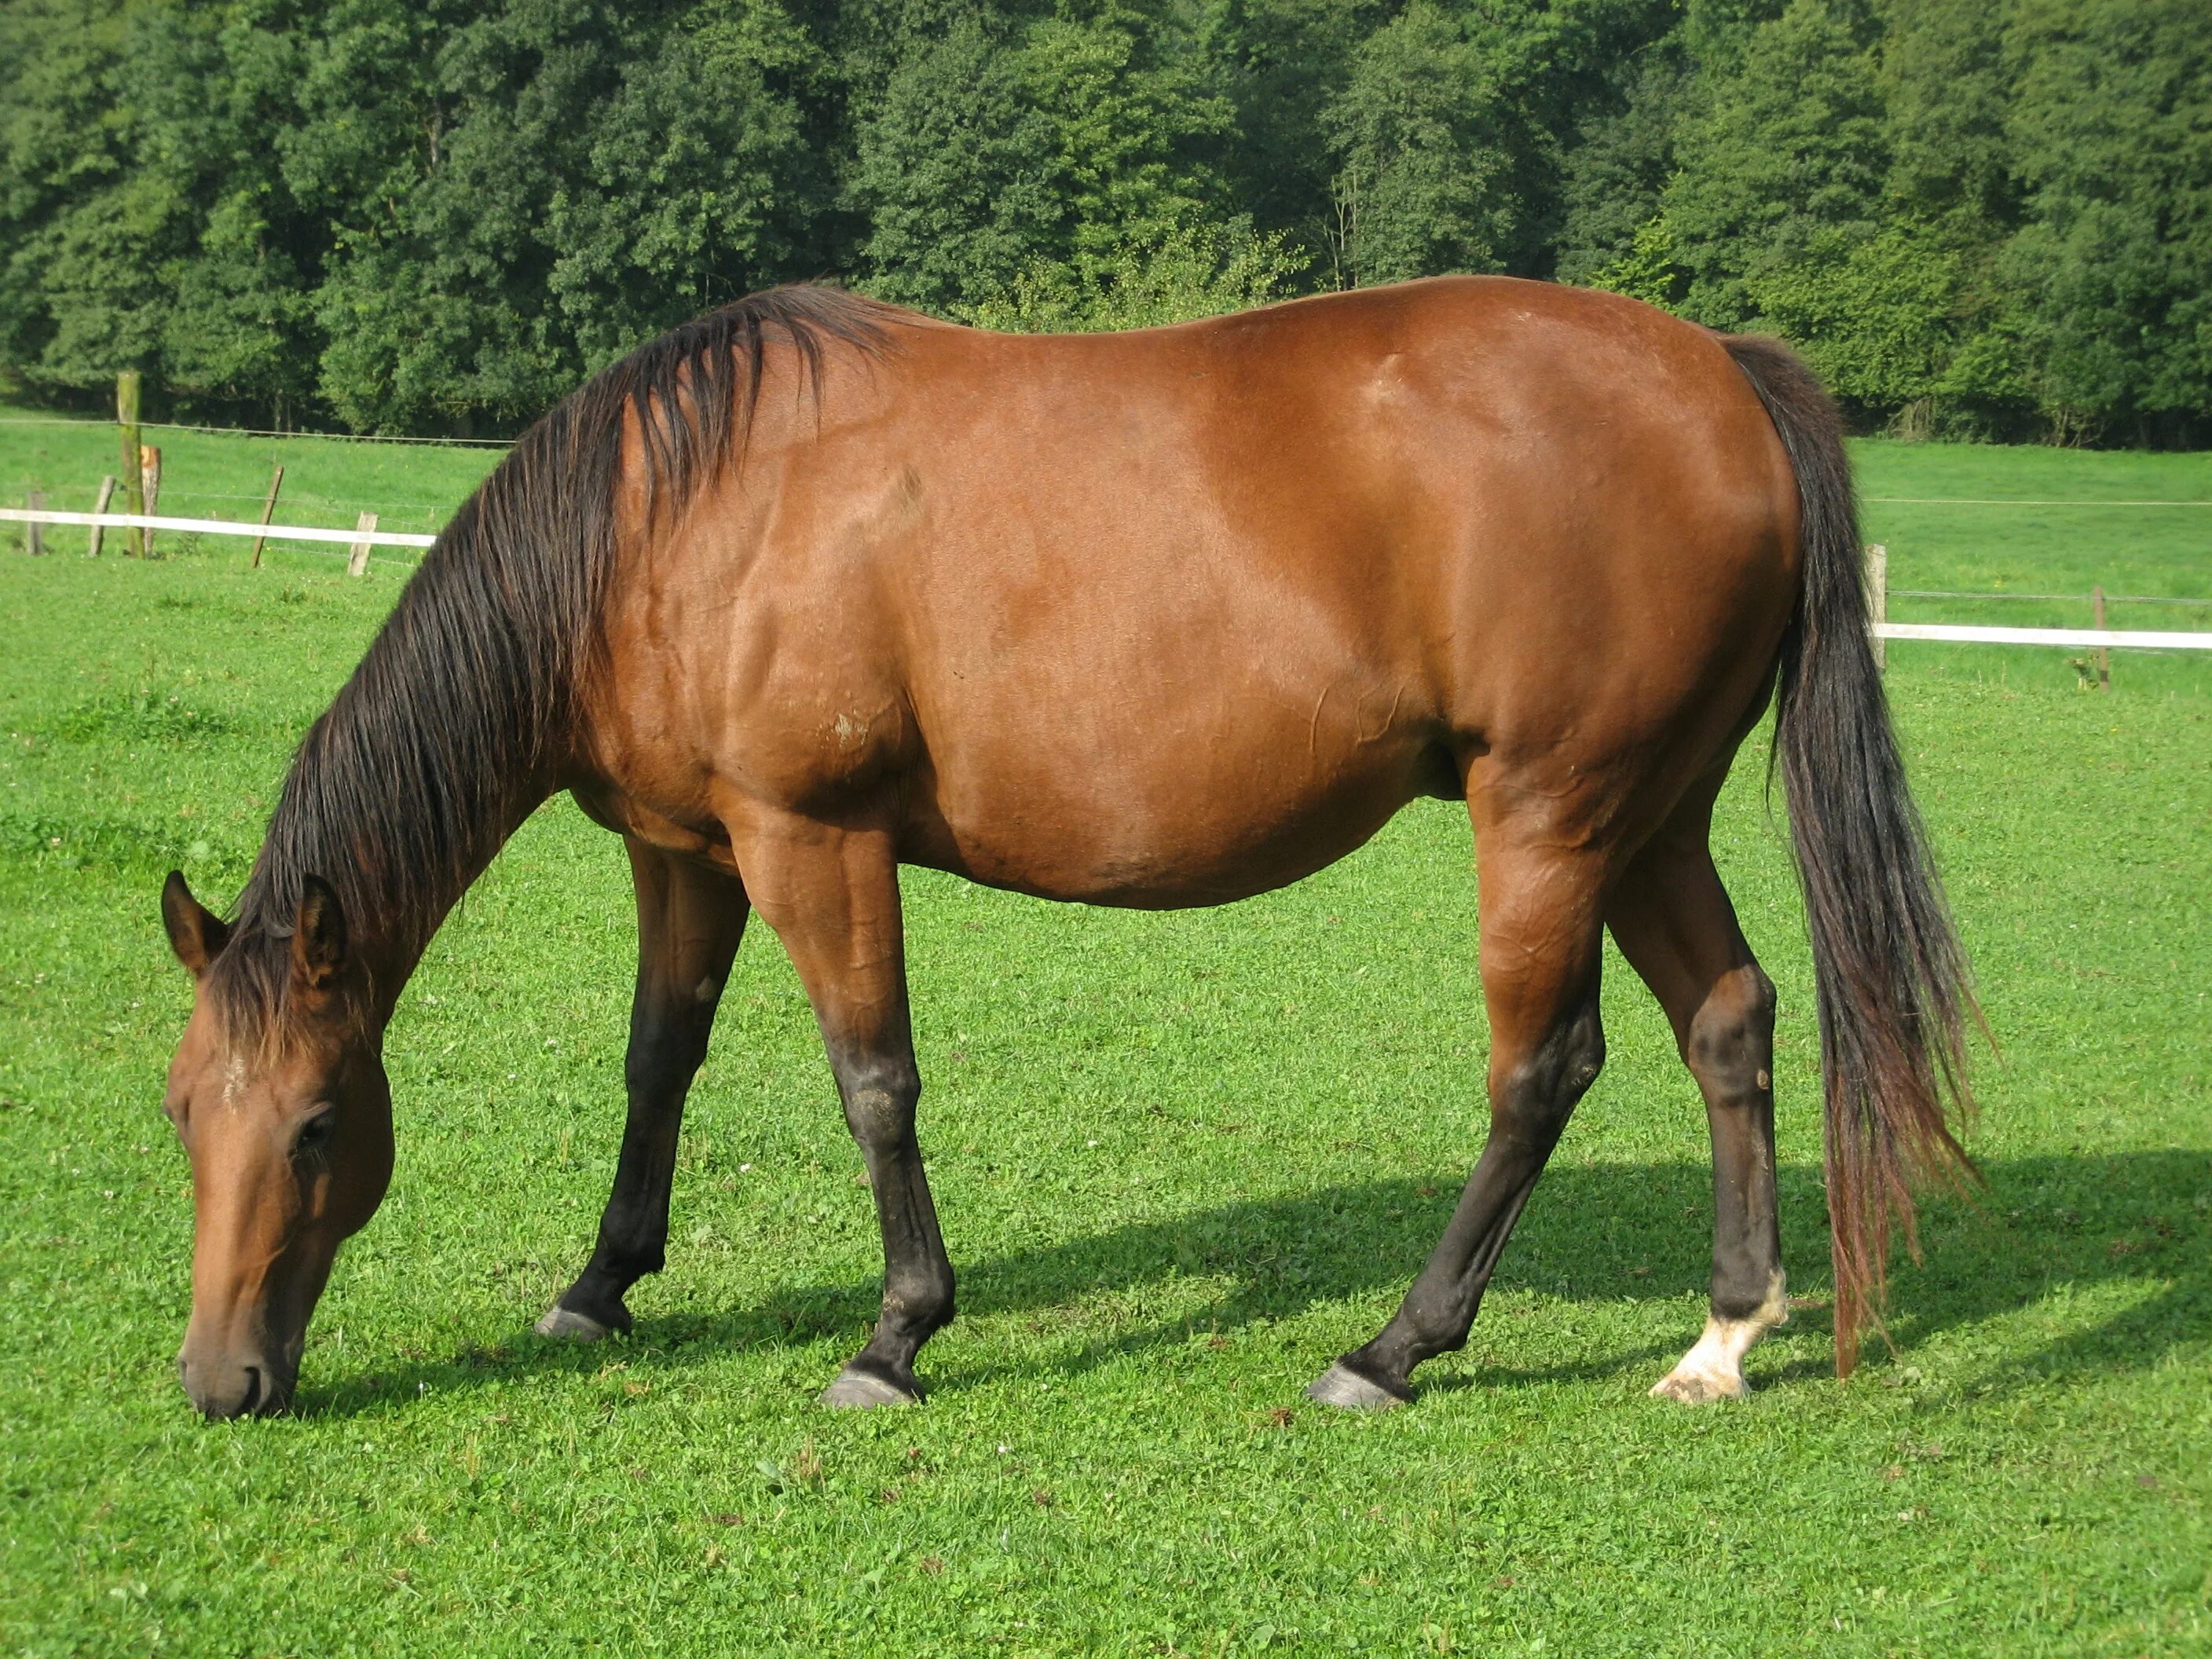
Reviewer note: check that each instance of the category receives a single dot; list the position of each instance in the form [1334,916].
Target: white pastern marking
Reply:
[1713,1368]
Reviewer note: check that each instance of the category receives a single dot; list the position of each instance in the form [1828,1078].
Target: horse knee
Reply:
[880,1110]
[1730,1047]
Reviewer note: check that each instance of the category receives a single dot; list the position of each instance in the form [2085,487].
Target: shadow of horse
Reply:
[1604,1233]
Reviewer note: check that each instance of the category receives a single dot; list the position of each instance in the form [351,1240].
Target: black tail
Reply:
[1891,979]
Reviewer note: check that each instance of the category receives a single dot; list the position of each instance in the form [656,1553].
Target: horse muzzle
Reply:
[244,1384]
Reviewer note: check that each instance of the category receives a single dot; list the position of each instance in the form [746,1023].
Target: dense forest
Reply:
[1980,217]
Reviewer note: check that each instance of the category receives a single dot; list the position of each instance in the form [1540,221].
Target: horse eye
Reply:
[315,1133]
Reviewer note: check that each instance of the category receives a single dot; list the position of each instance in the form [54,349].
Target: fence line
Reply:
[264,432]
[2068,598]
[290,532]
[2140,639]
[361,539]
[508,443]
[2005,500]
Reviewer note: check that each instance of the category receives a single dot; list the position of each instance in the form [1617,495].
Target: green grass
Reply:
[2133,551]
[1181,1160]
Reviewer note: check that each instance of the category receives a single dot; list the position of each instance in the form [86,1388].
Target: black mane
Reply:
[448,733]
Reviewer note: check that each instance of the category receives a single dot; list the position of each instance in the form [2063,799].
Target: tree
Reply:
[1979,216]
[2112,132]
[1421,187]
[1789,156]
[957,172]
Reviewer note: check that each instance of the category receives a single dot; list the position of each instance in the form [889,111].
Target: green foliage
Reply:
[2113,133]
[955,172]
[1420,188]
[1977,216]
[1187,274]
[1648,271]
[1061,155]
[1615,181]
[1785,169]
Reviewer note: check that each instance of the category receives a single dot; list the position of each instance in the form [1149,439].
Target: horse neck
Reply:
[400,796]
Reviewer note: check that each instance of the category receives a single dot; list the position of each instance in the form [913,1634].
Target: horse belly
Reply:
[1246,809]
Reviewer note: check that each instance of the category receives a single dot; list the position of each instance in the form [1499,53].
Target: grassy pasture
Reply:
[1182,1161]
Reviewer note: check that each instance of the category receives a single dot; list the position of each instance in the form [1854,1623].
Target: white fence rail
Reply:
[2138,639]
[2117,638]
[275,533]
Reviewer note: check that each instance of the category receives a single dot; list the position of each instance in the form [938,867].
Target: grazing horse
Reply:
[812,587]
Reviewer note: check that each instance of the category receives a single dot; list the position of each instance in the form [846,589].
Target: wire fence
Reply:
[363,537]
[405,546]
[299,500]
[2019,501]
[2043,598]
[260,432]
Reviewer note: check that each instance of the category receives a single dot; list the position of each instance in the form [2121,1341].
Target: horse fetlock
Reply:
[918,1306]
[1713,1368]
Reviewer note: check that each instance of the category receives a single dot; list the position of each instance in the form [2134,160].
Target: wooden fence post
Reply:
[2104,658]
[276,483]
[100,506]
[1878,600]
[357,556]
[126,416]
[34,539]
[149,490]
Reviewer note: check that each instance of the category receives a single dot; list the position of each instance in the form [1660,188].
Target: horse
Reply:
[813,587]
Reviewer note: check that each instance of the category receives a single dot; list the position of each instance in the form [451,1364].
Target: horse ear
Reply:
[196,934]
[319,942]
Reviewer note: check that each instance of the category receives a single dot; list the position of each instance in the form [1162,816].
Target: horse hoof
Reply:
[1699,1388]
[859,1390]
[569,1324]
[1341,1386]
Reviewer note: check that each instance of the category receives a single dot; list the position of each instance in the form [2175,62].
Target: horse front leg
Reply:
[690,922]
[831,893]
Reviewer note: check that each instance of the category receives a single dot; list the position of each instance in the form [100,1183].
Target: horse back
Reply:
[1177,615]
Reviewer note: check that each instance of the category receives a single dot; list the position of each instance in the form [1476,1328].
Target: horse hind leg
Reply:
[831,893]
[1541,952]
[690,923]
[1673,920]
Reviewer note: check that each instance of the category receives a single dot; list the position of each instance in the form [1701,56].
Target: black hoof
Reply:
[862,1390]
[581,1316]
[570,1326]
[1342,1387]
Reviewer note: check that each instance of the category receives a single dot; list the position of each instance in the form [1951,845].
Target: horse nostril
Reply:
[253,1390]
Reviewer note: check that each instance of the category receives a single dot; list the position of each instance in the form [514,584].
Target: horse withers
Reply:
[812,587]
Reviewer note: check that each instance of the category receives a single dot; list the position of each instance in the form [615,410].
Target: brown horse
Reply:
[812,587]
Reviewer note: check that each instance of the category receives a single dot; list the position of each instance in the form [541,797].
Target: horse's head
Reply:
[278,1093]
